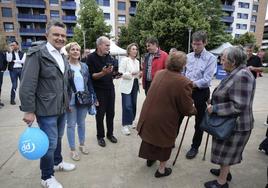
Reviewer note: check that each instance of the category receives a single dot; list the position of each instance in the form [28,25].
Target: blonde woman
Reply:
[77,113]
[129,87]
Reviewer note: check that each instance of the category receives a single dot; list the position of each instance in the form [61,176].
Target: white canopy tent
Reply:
[115,50]
[221,48]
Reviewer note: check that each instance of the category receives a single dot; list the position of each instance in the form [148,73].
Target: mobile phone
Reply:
[108,65]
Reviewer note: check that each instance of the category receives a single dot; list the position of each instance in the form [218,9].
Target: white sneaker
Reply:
[64,166]
[265,123]
[133,126]
[51,183]
[125,130]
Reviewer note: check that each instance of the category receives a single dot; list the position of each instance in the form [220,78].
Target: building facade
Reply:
[241,16]
[25,20]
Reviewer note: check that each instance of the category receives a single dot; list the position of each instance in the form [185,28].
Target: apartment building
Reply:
[25,20]
[117,13]
[243,16]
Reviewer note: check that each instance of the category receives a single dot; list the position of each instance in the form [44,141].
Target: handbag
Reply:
[220,127]
[82,98]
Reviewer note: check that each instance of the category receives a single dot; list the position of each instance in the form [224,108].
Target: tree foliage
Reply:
[247,38]
[91,21]
[169,20]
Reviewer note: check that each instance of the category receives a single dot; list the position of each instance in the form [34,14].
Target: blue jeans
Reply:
[129,104]
[76,116]
[53,126]
[14,76]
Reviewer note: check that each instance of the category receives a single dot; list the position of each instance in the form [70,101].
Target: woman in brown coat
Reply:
[169,97]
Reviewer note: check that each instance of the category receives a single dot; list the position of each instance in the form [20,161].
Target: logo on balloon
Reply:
[27,146]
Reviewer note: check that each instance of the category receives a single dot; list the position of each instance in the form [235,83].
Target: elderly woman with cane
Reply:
[233,97]
[168,98]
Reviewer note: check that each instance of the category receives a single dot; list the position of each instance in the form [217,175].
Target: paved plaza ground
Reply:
[118,165]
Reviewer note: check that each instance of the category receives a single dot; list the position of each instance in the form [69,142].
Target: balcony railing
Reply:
[68,5]
[229,8]
[32,18]
[32,32]
[31,3]
[132,10]
[227,19]
[69,19]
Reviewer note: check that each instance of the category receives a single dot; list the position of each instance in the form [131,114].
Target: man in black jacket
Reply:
[15,59]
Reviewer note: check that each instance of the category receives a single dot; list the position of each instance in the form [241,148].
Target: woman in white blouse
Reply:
[129,87]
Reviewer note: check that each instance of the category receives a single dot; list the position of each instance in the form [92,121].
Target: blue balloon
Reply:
[33,143]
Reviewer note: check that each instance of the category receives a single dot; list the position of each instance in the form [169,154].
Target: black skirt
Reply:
[151,152]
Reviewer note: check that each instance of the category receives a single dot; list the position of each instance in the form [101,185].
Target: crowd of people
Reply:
[175,84]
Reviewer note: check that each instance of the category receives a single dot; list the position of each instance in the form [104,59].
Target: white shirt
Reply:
[17,62]
[56,55]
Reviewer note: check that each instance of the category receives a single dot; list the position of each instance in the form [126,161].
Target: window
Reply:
[106,16]
[241,26]
[105,3]
[10,39]
[243,5]
[121,5]
[8,27]
[54,14]
[242,16]
[121,19]
[56,2]
[6,12]
[255,8]
[254,18]
[252,28]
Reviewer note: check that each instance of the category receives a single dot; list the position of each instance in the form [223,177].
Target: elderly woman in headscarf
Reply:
[169,98]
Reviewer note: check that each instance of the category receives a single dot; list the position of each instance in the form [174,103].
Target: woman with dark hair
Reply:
[233,97]
[129,87]
[169,98]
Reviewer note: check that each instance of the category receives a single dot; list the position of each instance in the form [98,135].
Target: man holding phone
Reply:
[101,67]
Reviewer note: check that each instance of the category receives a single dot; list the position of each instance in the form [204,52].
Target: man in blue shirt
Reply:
[200,68]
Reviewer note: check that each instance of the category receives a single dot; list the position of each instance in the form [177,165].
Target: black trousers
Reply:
[147,86]
[106,98]
[200,97]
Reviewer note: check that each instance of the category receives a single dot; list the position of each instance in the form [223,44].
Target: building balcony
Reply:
[227,19]
[228,8]
[31,3]
[132,10]
[32,18]
[70,33]
[68,5]
[69,19]
[228,29]
[32,32]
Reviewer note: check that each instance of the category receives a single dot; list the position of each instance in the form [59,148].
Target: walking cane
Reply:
[181,141]
[204,157]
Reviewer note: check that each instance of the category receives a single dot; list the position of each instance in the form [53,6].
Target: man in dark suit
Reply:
[3,67]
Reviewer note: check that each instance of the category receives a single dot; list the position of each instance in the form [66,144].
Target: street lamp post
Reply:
[189,38]
[84,39]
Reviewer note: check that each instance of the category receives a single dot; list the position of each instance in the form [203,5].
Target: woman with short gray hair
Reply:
[233,97]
